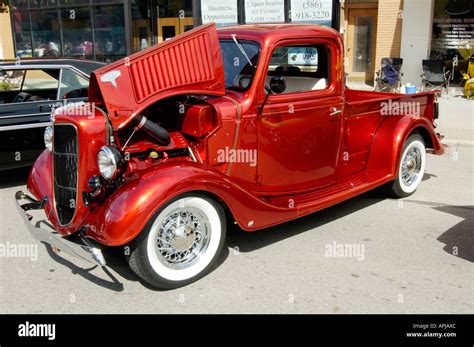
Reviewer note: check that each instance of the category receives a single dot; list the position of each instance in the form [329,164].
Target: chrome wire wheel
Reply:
[181,242]
[411,166]
[182,237]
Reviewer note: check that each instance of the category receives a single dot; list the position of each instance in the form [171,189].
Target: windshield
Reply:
[237,69]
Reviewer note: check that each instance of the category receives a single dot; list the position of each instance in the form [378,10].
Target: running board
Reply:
[325,197]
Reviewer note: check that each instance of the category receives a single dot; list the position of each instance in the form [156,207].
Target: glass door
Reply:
[144,28]
[361,44]
[175,17]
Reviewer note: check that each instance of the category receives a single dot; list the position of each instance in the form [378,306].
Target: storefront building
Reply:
[410,29]
[107,30]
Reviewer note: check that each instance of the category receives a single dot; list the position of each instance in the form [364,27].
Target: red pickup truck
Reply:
[252,124]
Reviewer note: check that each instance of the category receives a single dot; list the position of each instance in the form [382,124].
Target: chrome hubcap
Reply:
[182,237]
[411,166]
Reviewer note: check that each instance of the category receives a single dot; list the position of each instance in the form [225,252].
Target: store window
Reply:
[77,33]
[109,32]
[22,34]
[76,29]
[46,34]
[73,2]
[221,12]
[19,4]
[452,38]
[261,11]
[43,3]
[142,24]
[314,12]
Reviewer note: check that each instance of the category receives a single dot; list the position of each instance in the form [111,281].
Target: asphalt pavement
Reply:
[369,254]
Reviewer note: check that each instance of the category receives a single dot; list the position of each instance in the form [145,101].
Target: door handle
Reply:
[334,111]
[45,108]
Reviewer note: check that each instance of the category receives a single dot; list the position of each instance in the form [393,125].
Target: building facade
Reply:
[6,37]
[107,30]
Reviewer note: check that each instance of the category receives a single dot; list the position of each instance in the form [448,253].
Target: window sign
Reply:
[222,12]
[264,11]
[307,56]
[311,11]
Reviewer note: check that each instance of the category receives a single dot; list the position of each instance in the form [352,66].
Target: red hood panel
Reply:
[189,63]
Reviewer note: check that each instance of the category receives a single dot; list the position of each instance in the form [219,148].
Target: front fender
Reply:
[124,214]
[40,183]
[389,139]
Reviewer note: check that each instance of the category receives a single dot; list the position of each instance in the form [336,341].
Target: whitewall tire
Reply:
[411,168]
[181,242]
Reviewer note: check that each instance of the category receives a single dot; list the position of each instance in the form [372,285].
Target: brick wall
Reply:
[389,30]
[6,38]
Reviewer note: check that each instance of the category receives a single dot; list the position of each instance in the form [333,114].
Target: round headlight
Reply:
[48,138]
[109,161]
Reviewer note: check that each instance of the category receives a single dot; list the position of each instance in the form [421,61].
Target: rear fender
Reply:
[389,139]
[124,214]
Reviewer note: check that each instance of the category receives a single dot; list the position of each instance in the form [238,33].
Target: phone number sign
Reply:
[311,11]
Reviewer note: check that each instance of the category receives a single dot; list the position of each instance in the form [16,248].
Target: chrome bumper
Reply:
[85,251]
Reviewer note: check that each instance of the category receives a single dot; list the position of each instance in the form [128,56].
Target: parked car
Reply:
[28,91]
[253,122]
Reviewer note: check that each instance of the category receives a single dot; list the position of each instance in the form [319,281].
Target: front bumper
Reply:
[85,251]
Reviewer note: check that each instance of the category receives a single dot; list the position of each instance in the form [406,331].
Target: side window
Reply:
[10,80]
[296,69]
[72,85]
[41,80]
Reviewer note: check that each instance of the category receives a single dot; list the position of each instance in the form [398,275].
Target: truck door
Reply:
[299,128]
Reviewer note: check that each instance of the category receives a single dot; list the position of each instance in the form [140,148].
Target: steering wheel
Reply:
[244,81]
[22,97]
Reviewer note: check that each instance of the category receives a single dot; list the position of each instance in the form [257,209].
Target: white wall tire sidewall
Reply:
[215,234]
[412,187]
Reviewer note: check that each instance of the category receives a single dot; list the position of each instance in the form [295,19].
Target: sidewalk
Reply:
[456,115]
[456,118]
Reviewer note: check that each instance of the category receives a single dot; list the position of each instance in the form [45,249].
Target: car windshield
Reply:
[237,69]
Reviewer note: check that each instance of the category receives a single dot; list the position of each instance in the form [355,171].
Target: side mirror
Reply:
[277,84]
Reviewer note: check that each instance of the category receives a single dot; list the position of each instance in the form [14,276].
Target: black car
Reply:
[28,92]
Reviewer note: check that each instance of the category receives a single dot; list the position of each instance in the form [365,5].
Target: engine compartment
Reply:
[187,119]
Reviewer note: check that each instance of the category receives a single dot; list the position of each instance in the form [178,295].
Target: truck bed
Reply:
[361,102]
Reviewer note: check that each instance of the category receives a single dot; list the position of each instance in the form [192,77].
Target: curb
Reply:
[467,143]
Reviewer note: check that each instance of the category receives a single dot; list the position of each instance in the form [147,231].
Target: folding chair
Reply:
[389,76]
[434,76]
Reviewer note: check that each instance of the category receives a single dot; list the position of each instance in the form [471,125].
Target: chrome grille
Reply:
[65,171]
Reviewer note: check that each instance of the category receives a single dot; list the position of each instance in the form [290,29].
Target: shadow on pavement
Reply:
[459,240]
[113,284]
[14,177]
[428,176]
[116,261]
[251,241]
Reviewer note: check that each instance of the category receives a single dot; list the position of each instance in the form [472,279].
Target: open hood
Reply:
[189,63]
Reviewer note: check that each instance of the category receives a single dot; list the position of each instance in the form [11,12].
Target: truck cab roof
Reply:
[275,32]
